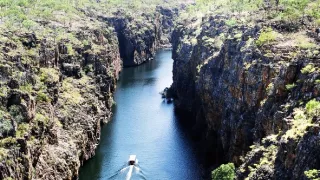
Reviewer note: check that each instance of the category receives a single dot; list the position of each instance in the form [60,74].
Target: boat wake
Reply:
[129,172]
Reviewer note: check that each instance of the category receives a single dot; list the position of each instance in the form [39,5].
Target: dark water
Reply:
[144,125]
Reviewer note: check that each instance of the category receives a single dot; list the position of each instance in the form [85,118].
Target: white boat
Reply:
[132,159]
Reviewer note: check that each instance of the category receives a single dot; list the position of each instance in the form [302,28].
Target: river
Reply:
[145,125]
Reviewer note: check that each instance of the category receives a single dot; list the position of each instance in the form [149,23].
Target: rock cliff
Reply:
[56,90]
[140,35]
[253,88]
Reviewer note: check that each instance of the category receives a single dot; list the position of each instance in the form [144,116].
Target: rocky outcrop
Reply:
[168,17]
[250,84]
[140,35]
[56,91]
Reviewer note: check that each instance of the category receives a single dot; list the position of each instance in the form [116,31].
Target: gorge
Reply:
[245,78]
[145,125]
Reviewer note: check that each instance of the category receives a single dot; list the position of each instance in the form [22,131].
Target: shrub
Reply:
[42,97]
[49,75]
[290,86]
[26,88]
[313,108]
[231,22]
[70,49]
[312,174]
[299,126]
[16,112]
[266,37]
[306,44]
[5,123]
[23,128]
[3,153]
[308,69]
[29,24]
[294,10]
[71,93]
[41,118]
[224,172]
[3,91]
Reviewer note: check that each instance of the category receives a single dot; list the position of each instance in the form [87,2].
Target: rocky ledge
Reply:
[253,88]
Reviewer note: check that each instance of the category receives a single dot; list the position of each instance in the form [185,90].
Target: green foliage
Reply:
[88,68]
[302,119]
[5,123]
[41,118]
[16,113]
[270,88]
[224,6]
[3,153]
[8,178]
[313,108]
[85,42]
[7,141]
[17,11]
[49,75]
[224,172]
[42,97]
[29,24]
[231,22]
[26,88]
[308,69]
[70,49]
[313,174]
[23,128]
[3,91]
[71,93]
[266,37]
[290,86]
[294,9]
[299,125]
[304,42]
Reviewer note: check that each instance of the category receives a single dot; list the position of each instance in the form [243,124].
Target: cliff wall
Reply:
[253,87]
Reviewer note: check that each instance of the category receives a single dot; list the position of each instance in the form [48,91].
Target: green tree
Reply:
[224,172]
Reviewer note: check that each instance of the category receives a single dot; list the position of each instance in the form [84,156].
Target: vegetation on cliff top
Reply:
[33,16]
[284,10]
